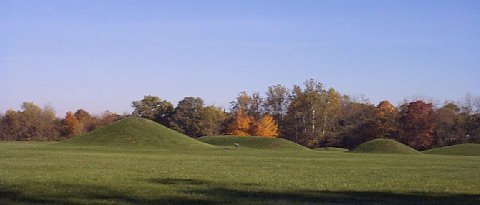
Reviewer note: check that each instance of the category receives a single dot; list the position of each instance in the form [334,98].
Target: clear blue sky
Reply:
[101,55]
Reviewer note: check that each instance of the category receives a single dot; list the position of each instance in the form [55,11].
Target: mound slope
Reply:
[468,149]
[384,146]
[252,142]
[331,149]
[135,131]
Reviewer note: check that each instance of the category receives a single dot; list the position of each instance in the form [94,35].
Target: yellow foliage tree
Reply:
[266,127]
[387,117]
[242,124]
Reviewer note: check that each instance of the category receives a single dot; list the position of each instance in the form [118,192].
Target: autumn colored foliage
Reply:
[245,125]
[242,125]
[266,127]
[416,121]
[71,125]
[386,120]
[309,114]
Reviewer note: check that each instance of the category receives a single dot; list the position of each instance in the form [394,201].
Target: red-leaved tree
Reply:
[417,124]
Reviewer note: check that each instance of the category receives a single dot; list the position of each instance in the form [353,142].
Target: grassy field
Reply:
[70,173]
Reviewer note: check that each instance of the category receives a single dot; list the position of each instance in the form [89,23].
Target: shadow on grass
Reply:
[206,192]
[169,181]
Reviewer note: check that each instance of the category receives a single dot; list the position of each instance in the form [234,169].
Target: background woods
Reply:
[309,114]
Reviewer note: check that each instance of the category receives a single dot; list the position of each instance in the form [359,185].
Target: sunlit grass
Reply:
[55,173]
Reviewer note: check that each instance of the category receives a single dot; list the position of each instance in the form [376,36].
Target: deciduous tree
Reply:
[416,123]
[86,121]
[265,127]
[107,118]
[212,121]
[71,125]
[11,126]
[153,108]
[357,123]
[241,125]
[242,102]
[306,114]
[386,120]
[332,112]
[187,116]
[276,104]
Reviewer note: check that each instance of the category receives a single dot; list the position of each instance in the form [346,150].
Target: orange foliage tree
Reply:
[71,125]
[266,127]
[241,125]
[245,125]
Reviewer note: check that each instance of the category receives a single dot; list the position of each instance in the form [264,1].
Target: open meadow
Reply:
[281,102]
[63,173]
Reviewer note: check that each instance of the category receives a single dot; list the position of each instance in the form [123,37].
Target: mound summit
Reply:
[384,146]
[252,142]
[468,149]
[135,131]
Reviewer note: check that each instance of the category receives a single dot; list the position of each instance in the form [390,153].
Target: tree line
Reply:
[309,114]
[316,116]
[35,123]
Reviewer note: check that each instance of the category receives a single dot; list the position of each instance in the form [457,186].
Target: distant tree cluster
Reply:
[35,123]
[315,116]
[190,117]
[311,115]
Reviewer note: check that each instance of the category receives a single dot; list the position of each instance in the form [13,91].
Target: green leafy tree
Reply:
[187,117]
[357,123]
[332,112]
[276,104]
[192,118]
[472,128]
[212,122]
[153,108]
[242,102]
[306,114]
[255,108]
[449,127]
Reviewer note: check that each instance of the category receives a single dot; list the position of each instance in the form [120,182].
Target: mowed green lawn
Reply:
[55,173]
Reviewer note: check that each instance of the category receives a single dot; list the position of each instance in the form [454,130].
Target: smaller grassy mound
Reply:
[252,142]
[384,146]
[139,132]
[459,150]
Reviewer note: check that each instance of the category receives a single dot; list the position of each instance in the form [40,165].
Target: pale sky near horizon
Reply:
[102,55]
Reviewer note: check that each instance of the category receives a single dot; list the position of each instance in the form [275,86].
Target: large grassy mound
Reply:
[385,146]
[460,150]
[140,132]
[252,142]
